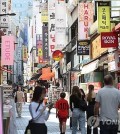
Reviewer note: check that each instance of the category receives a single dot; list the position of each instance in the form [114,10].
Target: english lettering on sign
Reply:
[109,39]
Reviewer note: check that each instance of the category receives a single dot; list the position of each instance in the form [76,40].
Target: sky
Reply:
[22,8]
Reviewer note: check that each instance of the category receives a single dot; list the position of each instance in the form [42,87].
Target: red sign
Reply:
[109,39]
[97,85]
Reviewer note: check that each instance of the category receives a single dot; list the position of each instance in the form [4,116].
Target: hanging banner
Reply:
[60,24]
[40,51]
[85,19]
[7,50]
[44,12]
[104,16]
[83,47]
[51,26]
[109,39]
[25,53]
[4,20]
[45,43]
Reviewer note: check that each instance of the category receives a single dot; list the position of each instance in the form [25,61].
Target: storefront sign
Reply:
[104,16]
[60,25]
[51,18]
[83,47]
[7,47]
[85,19]
[45,43]
[109,39]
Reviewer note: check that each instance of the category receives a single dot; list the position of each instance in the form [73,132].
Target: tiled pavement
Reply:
[52,123]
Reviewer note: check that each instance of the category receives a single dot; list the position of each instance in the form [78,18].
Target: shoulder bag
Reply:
[83,105]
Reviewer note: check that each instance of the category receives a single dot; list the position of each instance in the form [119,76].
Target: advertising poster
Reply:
[83,47]
[104,16]
[85,19]
[97,85]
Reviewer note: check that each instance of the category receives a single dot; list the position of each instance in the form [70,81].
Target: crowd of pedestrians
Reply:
[99,110]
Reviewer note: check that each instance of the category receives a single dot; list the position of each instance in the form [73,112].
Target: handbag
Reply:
[27,130]
[83,105]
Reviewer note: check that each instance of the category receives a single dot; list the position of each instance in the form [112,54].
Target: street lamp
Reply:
[9,14]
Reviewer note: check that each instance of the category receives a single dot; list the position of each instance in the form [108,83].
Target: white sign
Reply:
[51,26]
[85,19]
[4,19]
[60,24]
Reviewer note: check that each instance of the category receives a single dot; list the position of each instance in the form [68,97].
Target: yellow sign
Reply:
[44,16]
[25,53]
[40,52]
[104,16]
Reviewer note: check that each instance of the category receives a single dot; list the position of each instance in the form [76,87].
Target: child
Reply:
[62,112]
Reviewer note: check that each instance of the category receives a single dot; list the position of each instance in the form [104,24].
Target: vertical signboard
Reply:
[4,19]
[44,12]
[51,26]
[7,48]
[104,16]
[45,43]
[60,24]
[85,19]
[39,47]
[25,53]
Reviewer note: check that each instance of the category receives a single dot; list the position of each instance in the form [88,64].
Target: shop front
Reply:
[91,74]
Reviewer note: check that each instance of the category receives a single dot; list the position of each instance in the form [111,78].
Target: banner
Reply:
[83,47]
[51,26]
[25,53]
[104,16]
[44,12]
[45,43]
[60,25]
[85,19]
[109,39]
[7,50]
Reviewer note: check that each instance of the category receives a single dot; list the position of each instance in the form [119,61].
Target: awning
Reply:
[35,76]
[90,67]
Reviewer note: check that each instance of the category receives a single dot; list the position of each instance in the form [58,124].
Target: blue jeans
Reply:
[78,115]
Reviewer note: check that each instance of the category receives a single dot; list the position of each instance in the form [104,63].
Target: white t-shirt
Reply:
[39,116]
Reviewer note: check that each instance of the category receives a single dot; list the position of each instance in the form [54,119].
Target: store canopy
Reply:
[90,67]
[35,76]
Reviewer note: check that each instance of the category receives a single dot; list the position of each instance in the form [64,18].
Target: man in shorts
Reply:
[62,112]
